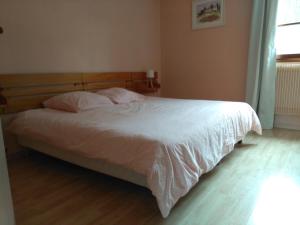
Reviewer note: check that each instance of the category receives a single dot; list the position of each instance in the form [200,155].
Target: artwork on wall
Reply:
[207,13]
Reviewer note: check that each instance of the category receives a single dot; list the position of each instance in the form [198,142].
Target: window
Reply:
[288,29]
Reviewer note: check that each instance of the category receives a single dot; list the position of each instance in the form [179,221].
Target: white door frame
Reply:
[6,206]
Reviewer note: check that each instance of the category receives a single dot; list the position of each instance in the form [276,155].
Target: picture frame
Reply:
[207,13]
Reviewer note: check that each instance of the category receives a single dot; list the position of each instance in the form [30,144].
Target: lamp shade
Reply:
[150,73]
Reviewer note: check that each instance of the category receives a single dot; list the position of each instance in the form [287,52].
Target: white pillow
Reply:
[77,101]
[121,95]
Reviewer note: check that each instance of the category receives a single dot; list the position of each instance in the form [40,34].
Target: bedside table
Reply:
[144,88]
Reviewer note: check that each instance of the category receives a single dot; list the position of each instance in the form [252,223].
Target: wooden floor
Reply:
[257,184]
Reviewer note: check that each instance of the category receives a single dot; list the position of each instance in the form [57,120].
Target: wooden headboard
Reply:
[19,92]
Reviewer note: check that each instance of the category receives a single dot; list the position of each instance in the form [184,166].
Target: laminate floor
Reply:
[257,184]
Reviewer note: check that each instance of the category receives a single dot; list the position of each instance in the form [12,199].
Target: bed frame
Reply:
[19,92]
[97,165]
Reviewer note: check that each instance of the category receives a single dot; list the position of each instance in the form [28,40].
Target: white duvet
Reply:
[171,142]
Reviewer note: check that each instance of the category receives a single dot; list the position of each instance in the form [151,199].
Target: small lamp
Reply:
[150,76]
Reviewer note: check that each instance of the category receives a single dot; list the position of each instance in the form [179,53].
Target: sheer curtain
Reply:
[261,76]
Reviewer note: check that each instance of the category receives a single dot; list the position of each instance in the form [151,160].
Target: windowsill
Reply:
[288,58]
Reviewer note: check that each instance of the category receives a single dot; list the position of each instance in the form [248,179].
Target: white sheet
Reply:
[171,142]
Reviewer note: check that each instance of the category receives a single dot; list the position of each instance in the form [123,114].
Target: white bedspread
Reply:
[171,142]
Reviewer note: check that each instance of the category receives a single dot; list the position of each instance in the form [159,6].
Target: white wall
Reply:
[79,35]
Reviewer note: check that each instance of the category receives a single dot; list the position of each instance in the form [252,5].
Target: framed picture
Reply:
[207,13]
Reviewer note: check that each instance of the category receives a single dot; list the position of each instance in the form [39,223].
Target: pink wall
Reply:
[81,35]
[207,63]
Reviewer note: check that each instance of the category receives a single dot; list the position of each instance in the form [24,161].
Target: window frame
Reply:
[288,58]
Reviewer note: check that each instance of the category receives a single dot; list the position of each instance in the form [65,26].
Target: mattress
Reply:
[169,141]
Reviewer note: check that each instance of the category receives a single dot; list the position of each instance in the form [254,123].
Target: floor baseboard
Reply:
[287,122]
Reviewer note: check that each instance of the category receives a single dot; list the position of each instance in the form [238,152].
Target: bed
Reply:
[162,144]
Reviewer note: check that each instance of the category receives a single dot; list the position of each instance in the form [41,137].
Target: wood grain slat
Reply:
[20,80]
[130,85]
[19,92]
[138,76]
[97,86]
[25,103]
[37,90]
